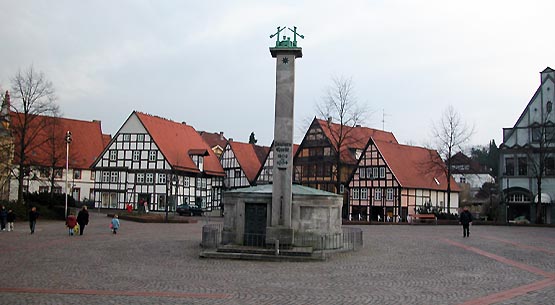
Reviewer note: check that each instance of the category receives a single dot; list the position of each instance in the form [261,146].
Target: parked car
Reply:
[189,210]
[521,220]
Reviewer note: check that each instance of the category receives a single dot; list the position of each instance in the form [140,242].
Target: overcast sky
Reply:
[207,62]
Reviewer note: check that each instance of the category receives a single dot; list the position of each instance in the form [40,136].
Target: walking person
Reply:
[71,222]
[115,224]
[33,216]
[11,220]
[3,217]
[465,219]
[83,219]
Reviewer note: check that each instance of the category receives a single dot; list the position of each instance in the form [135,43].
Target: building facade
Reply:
[241,163]
[160,162]
[392,181]
[527,158]
[46,153]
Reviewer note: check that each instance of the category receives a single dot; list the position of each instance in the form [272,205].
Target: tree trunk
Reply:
[539,219]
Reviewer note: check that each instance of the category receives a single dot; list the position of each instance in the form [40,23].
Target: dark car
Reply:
[189,210]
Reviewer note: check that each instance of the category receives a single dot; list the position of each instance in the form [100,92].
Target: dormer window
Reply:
[199,162]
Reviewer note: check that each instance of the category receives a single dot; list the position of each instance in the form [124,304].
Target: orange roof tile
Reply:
[176,140]
[415,167]
[87,141]
[249,157]
[214,138]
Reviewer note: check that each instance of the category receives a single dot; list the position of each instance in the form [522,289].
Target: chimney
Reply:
[230,140]
[184,123]
[358,125]
[6,105]
[329,119]
[221,135]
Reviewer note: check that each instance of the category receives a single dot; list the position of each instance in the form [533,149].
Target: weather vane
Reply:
[286,42]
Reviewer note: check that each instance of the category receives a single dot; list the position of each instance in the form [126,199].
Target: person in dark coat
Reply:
[3,217]
[83,219]
[11,220]
[33,216]
[465,219]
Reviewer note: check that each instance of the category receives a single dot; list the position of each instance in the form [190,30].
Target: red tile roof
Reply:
[87,141]
[250,157]
[214,138]
[415,167]
[355,137]
[176,141]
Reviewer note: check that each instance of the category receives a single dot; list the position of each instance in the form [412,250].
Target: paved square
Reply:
[159,264]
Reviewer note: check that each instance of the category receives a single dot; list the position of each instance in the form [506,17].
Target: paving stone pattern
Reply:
[159,264]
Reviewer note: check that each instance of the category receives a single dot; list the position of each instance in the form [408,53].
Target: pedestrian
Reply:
[146,206]
[33,216]
[129,208]
[71,223]
[83,219]
[3,217]
[115,224]
[11,220]
[379,218]
[465,219]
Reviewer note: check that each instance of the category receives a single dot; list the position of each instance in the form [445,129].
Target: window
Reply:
[105,176]
[126,137]
[369,172]
[375,172]
[113,155]
[549,106]
[58,173]
[327,151]
[162,178]
[522,166]
[362,173]
[363,193]
[355,193]
[136,155]
[378,194]
[140,178]
[536,134]
[43,189]
[186,181]
[549,166]
[57,190]
[341,189]
[76,174]
[462,179]
[518,197]
[389,194]
[382,172]
[44,172]
[510,166]
[149,178]
[152,155]
[237,173]
[93,175]
[114,177]
[140,137]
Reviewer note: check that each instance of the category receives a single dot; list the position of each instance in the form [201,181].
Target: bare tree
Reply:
[33,96]
[340,106]
[450,133]
[540,155]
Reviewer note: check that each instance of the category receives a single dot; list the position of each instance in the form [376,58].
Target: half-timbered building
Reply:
[159,161]
[264,175]
[46,153]
[241,163]
[394,180]
[324,144]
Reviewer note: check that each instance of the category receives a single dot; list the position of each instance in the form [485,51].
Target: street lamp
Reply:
[68,141]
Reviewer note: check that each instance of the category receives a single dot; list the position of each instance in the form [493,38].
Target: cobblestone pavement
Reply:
[159,264]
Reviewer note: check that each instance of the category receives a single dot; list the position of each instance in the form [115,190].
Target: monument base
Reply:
[283,234]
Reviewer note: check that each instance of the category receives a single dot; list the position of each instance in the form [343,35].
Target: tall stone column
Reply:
[280,228]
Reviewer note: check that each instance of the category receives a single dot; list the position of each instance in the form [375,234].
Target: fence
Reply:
[348,239]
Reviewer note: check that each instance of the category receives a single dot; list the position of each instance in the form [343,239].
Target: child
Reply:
[11,220]
[71,222]
[115,224]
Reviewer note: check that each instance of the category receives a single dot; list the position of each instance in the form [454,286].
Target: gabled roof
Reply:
[87,141]
[356,137]
[415,167]
[267,154]
[214,138]
[473,166]
[250,157]
[176,141]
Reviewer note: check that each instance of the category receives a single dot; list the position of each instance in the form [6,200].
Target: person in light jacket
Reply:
[115,224]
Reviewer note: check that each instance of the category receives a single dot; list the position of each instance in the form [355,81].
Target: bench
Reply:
[423,218]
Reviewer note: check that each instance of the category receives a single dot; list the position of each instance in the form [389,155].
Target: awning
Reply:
[545,198]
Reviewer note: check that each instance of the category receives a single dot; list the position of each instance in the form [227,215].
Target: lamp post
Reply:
[68,141]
